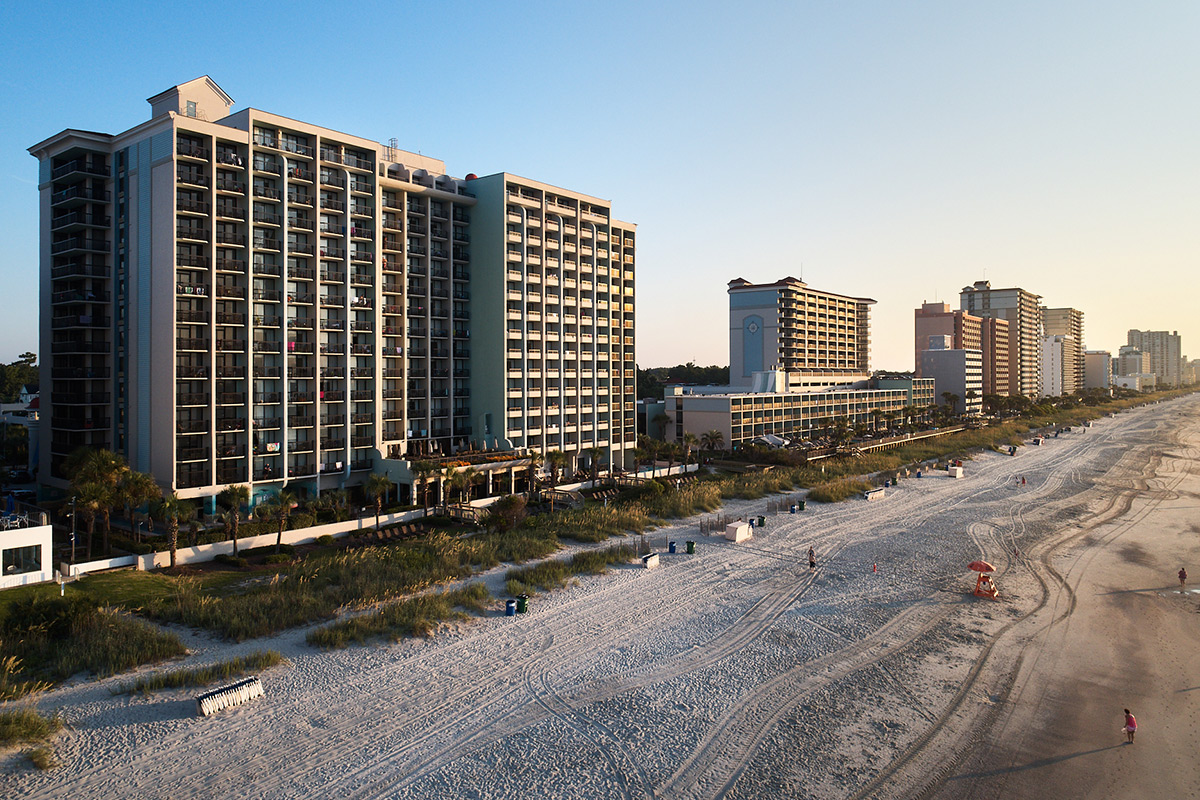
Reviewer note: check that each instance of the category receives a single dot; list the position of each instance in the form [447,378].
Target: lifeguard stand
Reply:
[984,586]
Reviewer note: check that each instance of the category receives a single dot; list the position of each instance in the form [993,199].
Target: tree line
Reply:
[22,372]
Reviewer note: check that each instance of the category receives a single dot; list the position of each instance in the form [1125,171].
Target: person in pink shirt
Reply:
[1130,726]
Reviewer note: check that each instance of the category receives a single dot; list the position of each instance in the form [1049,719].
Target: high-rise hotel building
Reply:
[818,338]
[246,298]
[556,370]
[1066,323]
[1024,315]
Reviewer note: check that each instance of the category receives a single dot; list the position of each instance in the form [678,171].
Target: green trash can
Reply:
[522,603]
[691,547]
[801,505]
[762,522]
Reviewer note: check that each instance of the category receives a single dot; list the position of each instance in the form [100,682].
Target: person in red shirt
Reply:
[1130,726]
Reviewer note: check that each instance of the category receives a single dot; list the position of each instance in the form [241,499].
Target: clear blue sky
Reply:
[895,150]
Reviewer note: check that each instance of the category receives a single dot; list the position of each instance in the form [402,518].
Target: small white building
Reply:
[25,555]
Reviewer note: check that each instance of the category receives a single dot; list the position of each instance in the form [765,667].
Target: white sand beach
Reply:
[737,672]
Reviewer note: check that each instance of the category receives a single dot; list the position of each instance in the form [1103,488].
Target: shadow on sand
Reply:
[1042,762]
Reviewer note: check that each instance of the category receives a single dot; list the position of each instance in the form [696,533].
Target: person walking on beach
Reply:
[812,558]
[1130,726]
[1182,578]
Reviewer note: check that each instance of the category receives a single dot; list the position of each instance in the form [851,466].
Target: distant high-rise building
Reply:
[1132,361]
[955,371]
[1021,309]
[1097,371]
[1165,351]
[814,336]
[1058,366]
[997,356]
[968,332]
[1067,322]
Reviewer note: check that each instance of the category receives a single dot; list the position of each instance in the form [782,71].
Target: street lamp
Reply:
[72,530]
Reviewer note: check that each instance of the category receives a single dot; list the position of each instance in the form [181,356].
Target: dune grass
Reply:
[836,491]
[51,639]
[412,616]
[319,587]
[202,676]
[24,724]
[556,573]
[42,757]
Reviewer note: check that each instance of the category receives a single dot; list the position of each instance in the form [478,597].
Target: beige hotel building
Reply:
[246,298]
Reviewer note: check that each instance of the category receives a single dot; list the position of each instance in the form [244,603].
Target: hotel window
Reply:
[18,560]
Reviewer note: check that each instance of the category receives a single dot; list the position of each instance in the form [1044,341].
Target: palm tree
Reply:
[460,480]
[233,498]
[171,510]
[594,455]
[279,508]
[712,441]
[876,414]
[376,487]
[556,460]
[90,499]
[445,477]
[104,469]
[671,451]
[690,440]
[229,520]
[951,400]
[660,421]
[135,489]
[840,432]
[422,470]
[470,474]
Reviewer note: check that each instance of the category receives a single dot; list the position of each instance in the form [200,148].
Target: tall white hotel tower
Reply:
[245,298]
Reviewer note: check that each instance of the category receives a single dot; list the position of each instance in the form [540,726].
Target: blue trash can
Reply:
[670,547]
[918,473]
[510,608]
[752,523]
[793,511]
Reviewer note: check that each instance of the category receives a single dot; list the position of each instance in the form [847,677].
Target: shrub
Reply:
[325,540]
[130,546]
[277,558]
[231,560]
[298,522]
[41,757]
[25,724]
